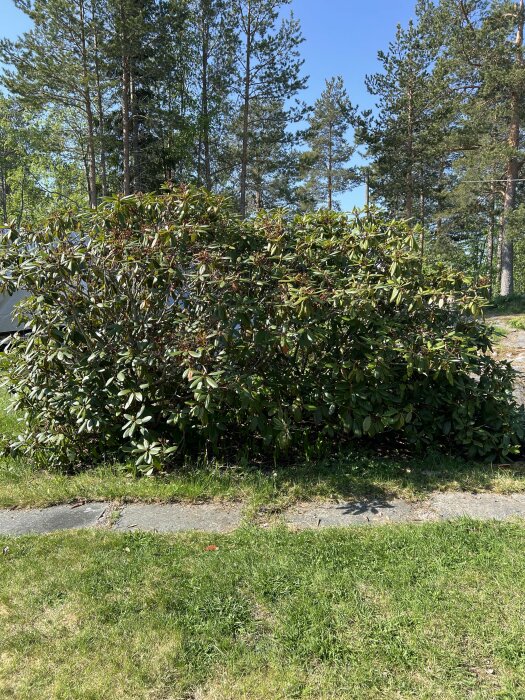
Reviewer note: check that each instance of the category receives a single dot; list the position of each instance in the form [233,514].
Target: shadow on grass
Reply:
[351,477]
[363,476]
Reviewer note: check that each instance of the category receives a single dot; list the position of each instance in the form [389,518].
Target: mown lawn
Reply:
[430,611]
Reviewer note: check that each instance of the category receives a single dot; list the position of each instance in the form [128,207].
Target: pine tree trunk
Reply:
[92,179]
[490,241]
[125,102]
[507,244]
[205,101]
[330,167]
[4,197]
[246,112]
[3,190]
[498,257]
[102,138]
[513,170]
[422,217]
[409,202]
[91,155]
[125,125]
[137,173]
[168,172]
[22,199]
[100,108]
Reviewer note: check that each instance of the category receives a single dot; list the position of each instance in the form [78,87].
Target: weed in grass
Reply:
[518,323]
[428,611]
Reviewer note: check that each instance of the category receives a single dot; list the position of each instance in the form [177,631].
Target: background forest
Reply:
[108,96]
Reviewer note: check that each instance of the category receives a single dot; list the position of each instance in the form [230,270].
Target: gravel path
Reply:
[512,348]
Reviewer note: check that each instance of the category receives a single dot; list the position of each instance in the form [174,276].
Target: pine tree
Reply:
[214,30]
[405,139]
[51,66]
[269,68]
[272,171]
[129,47]
[327,161]
[483,59]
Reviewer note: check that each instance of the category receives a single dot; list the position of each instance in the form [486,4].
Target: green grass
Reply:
[432,611]
[499,333]
[513,304]
[355,475]
[518,322]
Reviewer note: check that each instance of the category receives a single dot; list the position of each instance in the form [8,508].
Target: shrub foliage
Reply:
[166,326]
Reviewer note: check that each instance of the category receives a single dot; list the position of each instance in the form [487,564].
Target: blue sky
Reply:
[342,38]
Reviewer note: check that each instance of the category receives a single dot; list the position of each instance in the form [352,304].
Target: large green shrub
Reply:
[164,325]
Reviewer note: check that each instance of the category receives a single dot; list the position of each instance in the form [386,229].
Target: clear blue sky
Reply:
[342,38]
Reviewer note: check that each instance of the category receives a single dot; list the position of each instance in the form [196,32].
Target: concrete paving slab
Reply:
[22,522]
[178,517]
[484,506]
[363,512]
[213,517]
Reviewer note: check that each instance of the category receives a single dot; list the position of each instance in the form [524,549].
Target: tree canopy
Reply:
[108,96]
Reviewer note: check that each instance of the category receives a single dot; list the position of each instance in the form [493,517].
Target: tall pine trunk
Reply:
[513,171]
[3,194]
[125,102]
[137,168]
[91,154]
[409,201]
[22,198]
[246,112]
[490,240]
[507,244]
[205,117]
[422,219]
[125,125]
[100,108]
[330,167]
